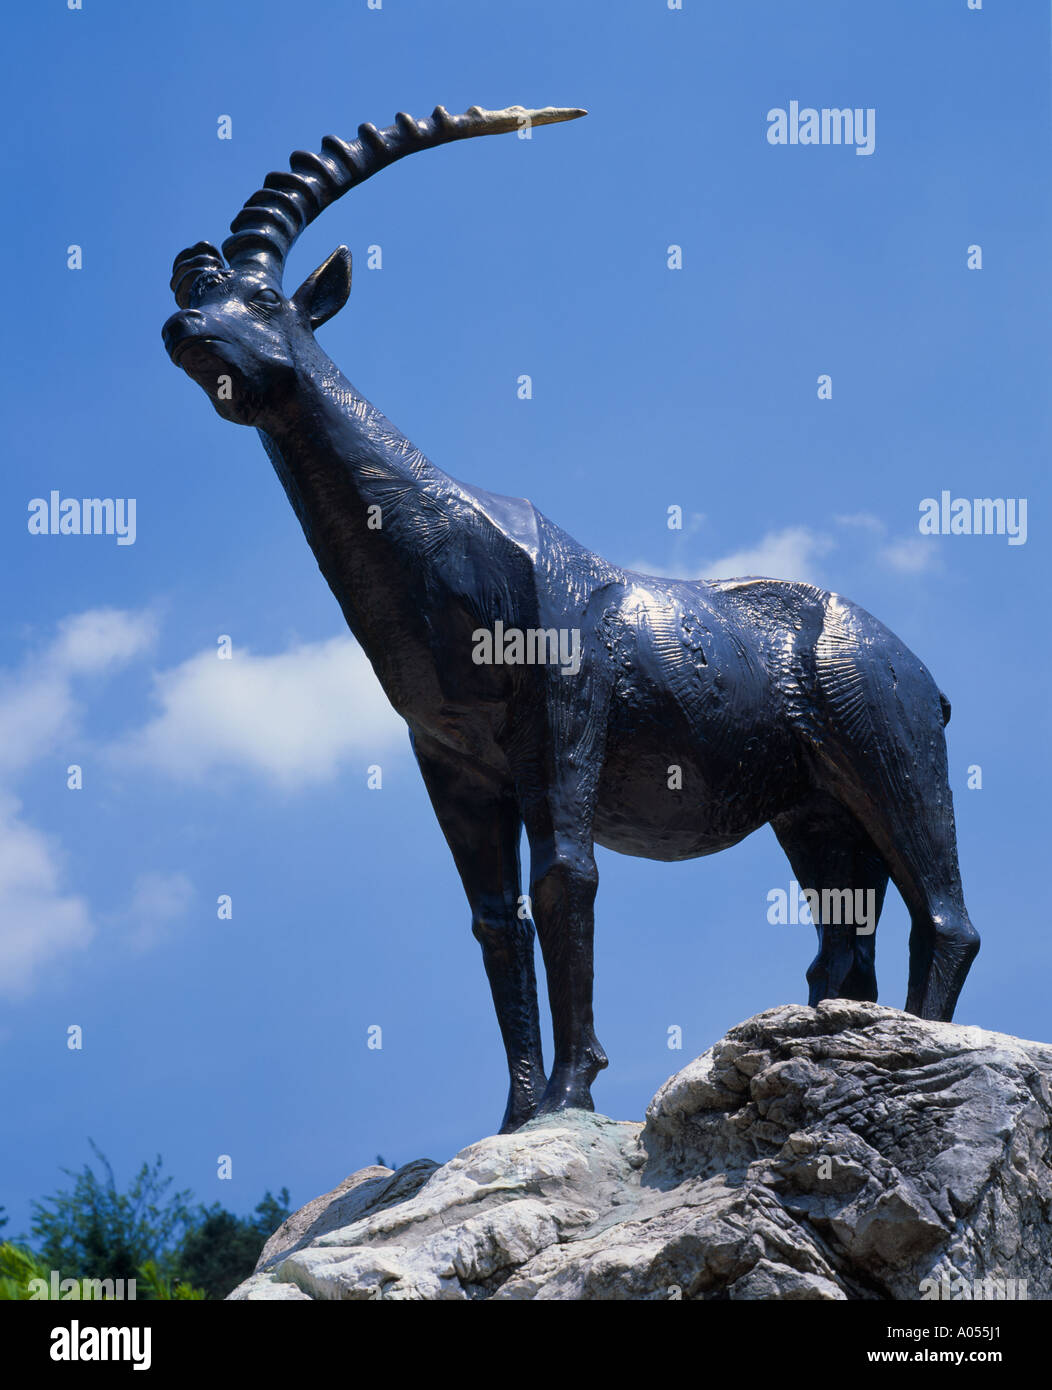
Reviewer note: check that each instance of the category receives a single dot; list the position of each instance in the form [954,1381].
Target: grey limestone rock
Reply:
[848,1151]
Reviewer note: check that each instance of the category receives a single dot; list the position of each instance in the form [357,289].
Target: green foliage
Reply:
[17,1267]
[105,1234]
[158,1287]
[223,1249]
[171,1249]
[270,1213]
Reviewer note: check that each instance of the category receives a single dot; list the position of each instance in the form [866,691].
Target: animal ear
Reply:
[325,290]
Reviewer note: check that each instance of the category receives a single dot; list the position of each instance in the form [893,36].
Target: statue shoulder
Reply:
[516,518]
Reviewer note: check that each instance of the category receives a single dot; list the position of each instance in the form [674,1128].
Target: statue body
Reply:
[657,717]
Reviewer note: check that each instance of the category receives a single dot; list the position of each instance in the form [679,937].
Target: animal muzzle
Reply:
[183,331]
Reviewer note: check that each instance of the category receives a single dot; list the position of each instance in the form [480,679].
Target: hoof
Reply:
[566,1093]
[522,1104]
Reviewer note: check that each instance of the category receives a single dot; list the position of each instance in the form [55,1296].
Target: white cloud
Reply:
[910,556]
[34,712]
[293,718]
[101,639]
[795,552]
[866,520]
[787,554]
[158,902]
[37,704]
[40,920]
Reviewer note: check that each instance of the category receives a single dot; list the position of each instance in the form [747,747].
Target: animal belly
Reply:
[697,754]
[648,836]
[657,807]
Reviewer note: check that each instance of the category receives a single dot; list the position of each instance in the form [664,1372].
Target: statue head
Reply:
[236,333]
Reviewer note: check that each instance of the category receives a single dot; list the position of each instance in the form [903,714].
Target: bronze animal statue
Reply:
[546,689]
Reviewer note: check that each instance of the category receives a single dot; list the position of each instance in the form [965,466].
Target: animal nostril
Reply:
[180,324]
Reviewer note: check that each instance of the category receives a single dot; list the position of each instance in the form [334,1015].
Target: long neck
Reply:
[366,499]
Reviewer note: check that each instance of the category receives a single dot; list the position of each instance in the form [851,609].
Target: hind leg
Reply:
[882,755]
[910,821]
[831,854]
[943,942]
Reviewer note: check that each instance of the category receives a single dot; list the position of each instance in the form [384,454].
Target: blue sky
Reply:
[651,387]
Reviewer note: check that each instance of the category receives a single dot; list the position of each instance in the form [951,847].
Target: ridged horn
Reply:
[188,265]
[264,230]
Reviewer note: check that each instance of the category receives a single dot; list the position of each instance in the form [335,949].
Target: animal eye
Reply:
[266,297]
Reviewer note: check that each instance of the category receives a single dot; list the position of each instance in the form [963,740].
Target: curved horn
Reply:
[188,266]
[271,220]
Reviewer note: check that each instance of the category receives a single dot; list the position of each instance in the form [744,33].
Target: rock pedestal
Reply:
[848,1151]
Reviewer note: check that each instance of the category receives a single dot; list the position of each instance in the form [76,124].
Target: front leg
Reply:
[481,823]
[557,760]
